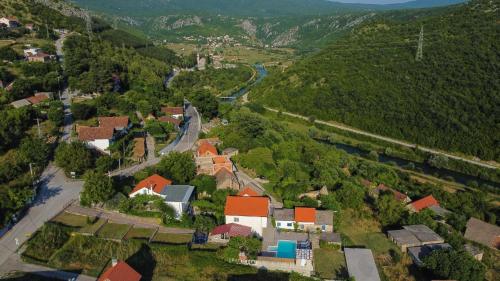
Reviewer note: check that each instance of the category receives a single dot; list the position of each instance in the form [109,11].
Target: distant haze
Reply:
[373,1]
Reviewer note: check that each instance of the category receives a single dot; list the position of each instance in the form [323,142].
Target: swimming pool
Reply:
[286,249]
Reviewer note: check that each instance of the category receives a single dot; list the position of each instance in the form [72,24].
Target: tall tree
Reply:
[179,167]
[97,188]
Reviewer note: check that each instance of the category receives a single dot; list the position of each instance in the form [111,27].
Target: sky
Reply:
[373,1]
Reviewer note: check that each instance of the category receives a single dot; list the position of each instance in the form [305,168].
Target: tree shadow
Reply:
[261,275]
[143,262]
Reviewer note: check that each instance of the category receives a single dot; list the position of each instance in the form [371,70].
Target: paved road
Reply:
[390,140]
[55,192]
[15,264]
[185,141]
[126,219]
[252,183]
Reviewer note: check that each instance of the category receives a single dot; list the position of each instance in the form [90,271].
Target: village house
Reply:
[304,219]
[248,191]
[222,233]
[103,136]
[483,233]
[421,204]
[174,121]
[400,197]
[31,51]
[10,22]
[209,162]
[40,57]
[179,197]
[420,252]
[251,211]
[414,236]
[119,271]
[99,138]
[33,100]
[175,112]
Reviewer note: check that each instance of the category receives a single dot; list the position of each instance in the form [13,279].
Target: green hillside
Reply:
[371,80]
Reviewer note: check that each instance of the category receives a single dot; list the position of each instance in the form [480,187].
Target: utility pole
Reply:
[88,21]
[31,169]
[38,125]
[420,50]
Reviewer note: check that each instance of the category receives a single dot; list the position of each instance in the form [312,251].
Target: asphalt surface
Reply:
[55,193]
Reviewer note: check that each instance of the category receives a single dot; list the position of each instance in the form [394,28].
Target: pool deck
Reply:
[270,237]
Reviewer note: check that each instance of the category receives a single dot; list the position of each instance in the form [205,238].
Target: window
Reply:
[236,219]
[323,227]
[278,224]
[289,224]
[301,226]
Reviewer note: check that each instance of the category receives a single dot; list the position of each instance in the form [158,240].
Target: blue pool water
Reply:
[286,249]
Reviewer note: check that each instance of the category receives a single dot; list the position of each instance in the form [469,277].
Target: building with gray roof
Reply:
[420,252]
[414,235]
[361,265]
[178,197]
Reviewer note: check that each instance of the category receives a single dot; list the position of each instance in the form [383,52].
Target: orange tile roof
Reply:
[116,122]
[247,206]
[120,272]
[220,160]
[37,99]
[207,147]
[305,214]
[169,119]
[94,133]
[247,191]
[424,203]
[173,110]
[155,181]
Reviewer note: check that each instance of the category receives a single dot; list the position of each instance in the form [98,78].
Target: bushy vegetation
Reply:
[46,241]
[366,81]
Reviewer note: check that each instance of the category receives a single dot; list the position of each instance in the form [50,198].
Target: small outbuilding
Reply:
[361,264]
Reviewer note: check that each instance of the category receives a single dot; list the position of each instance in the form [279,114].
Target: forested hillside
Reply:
[372,80]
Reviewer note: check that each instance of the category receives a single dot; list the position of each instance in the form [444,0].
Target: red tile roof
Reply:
[247,191]
[207,147]
[220,160]
[169,119]
[424,203]
[120,272]
[305,214]
[246,206]
[155,181]
[37,99]
[172,110]
[397,195]
[115,122]
[232,230]
[94,133]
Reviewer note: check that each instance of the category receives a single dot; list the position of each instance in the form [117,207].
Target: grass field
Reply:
[330,264]
[91,255]
[72,220]
[170,238]
[140,233]
[113,231]
[91,229]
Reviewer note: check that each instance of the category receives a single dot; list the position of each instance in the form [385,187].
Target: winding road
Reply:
[56,192]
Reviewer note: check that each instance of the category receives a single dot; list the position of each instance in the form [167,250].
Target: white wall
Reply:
[284,224]
[100,144]
[256,223]
[179,208]
[144,191]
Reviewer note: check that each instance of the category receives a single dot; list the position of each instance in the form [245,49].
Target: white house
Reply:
[176,196]
[175,112]
[31,52]
[97,137]
[304,219]
[251,211]
[10,22]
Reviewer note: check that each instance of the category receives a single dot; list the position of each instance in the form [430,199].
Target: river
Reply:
[423,168]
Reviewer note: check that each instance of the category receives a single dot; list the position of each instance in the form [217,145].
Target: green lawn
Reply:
[72,220]
[172,238]
[330,264]
[91,255]
[140,233]
[91,229]
[113,231]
